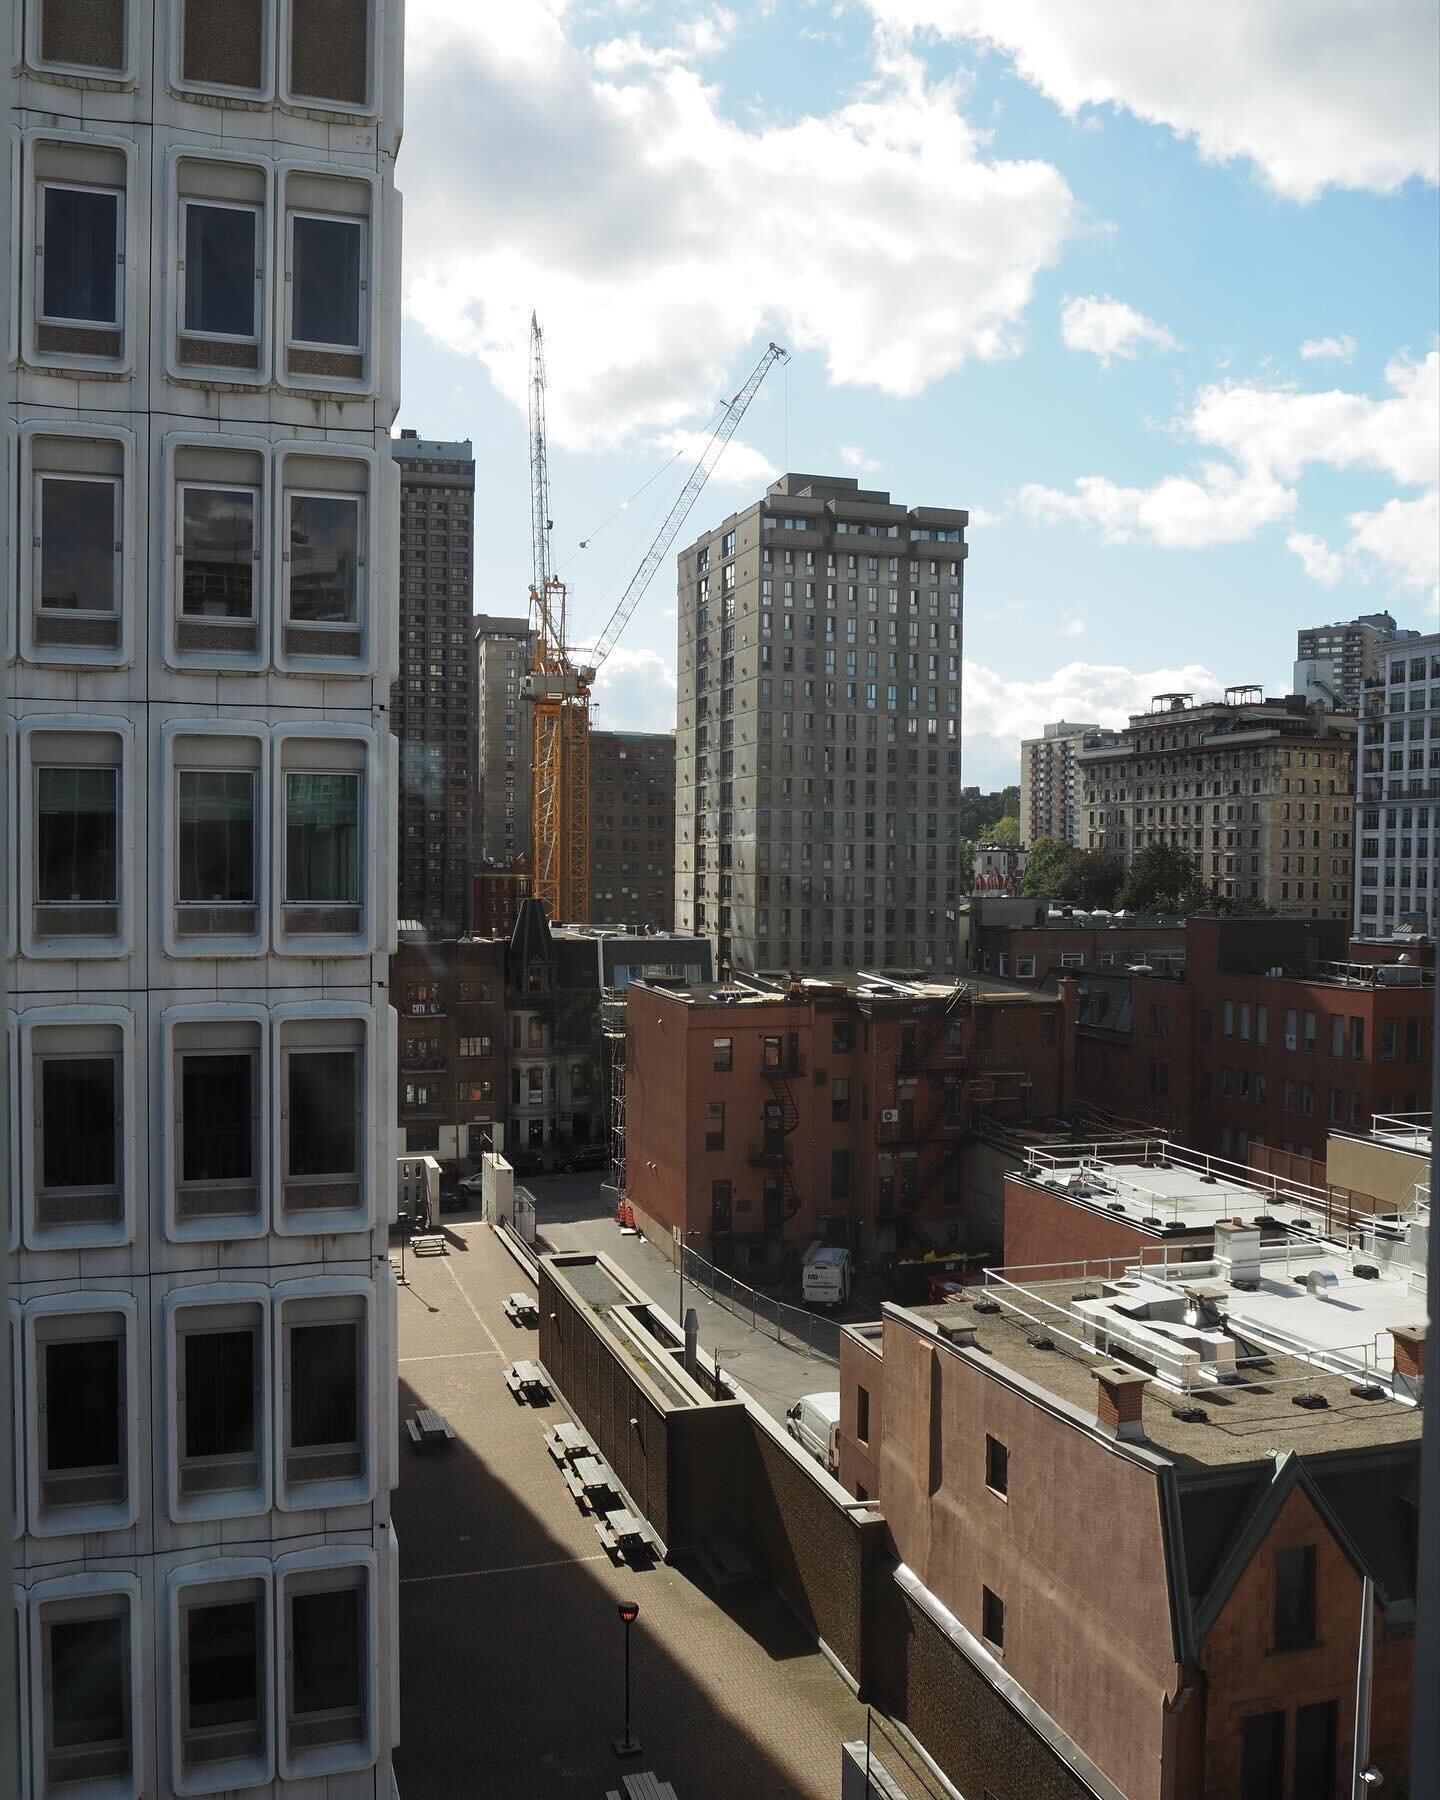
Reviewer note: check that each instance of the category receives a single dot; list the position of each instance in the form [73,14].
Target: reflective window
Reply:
[217,532]
[322,839]
[77,815]
[80,256]
[221,258]
[324,559]
[217,836]
[325,280]
[79,539]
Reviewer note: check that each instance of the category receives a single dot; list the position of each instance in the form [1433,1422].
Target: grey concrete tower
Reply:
[818,733]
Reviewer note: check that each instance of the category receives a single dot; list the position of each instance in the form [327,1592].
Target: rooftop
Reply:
[778,988]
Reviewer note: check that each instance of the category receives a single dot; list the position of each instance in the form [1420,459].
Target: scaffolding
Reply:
[612,1032]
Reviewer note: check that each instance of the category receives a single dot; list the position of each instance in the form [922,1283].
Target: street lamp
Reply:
[629,1612]
[683,1238]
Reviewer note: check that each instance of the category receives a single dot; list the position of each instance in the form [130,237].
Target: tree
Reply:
[1096,877]
[1162,878]
[1006,830]
[1047,869]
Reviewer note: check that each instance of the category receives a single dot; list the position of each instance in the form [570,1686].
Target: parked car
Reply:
[814,1423]
[472,1184]
[584,1156]
[526,1162]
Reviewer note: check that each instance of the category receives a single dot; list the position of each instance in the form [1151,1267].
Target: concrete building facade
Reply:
[1398,869]
[1051,791]
[632,828]
[500,656]
[1259,792]
[818,738]
[1334,662]
[202,315]
[431,704]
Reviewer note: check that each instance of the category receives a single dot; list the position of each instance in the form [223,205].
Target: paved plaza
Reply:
[510,1645]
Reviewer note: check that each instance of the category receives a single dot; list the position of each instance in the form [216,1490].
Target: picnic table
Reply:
[594,1475]
[526,1379]
[567,1441]
[429,1243]
[626,1527]
[522,1309]
[429,1427]
[645,1786]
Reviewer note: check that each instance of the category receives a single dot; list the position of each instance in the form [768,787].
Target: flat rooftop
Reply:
[1163,1187]
[1057,1334]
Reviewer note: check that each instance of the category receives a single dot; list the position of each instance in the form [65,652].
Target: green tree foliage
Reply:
[1094,878]
[980,814]
[1163,878]
[1004,831]
[1047,869]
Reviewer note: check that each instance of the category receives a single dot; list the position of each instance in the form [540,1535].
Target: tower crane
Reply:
[562,679]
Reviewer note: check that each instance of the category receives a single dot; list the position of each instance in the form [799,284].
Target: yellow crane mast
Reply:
[559,685]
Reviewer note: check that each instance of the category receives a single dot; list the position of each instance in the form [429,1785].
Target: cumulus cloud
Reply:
[740,464]
[1109,328]
[1328,349]
[996,707]
[1316,93]
[1319,561]
[852,457]
[663,241]
[705,35]
[1271,435]
[635,691]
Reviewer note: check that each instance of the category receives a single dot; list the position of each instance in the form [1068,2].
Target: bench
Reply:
[430,1243]
[429,1427]
[526,1381]
[521,1309]
[645,1786]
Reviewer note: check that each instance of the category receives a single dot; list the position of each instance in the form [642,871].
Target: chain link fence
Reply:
[795,1326]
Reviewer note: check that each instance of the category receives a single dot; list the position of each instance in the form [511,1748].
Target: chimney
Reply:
[1237,1250]
[1118,1400]
[1409,1341]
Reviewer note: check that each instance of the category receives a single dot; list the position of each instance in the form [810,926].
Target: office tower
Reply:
[1049,784]
[818,743]
[632,828]
[1399,792]
[200,383]
[1333,662]
[500,655]
[431,702]
[1259,792]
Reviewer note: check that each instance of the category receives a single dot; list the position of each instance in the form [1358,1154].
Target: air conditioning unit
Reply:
[890,1116]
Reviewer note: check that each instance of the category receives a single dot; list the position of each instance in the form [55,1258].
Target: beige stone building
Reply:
[500,803]
[1260,792]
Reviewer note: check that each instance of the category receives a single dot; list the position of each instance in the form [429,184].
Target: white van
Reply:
[814,1423]
[825,1275]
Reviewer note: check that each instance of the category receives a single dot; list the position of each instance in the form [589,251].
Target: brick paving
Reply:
[510,1646]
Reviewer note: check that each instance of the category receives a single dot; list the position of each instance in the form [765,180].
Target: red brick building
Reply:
[759,1118]
[1025,940]
[1269,1036]
[1162,1573]
[450,1088]
[496,896]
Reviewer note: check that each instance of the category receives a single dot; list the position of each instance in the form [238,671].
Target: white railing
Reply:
[1408,1131]
[1094,1163]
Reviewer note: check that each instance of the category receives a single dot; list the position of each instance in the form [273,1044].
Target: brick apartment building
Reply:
[496,896]
[1259,792]
[1024,940]
[761,1117]
[1268,1037]
[449,995]
[632,828]
[1120,1537]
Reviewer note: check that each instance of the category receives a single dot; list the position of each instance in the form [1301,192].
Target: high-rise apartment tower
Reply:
[499,659]
[1050,791]
[1333,662]
[1398,879]
[201,311]
[431,703]
[632,828]
[818,743]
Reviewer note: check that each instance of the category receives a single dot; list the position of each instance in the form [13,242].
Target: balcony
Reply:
[768,1153]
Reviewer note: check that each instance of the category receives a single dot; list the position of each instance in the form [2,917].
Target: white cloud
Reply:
[854,458]
[982,516]
[635,691]
[1073,627]
[1319,561]
[1108,328]
[705,35]
[1271,435]
[996,707]
[740,464]
[1317,93]
[663,241]
[1328,349]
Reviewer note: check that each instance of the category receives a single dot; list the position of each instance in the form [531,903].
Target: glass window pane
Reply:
[217,836]
[220,262]
[322,839]
[324,1385]
[89,1682]
[81,243]
[324,560]
[327,1644]
[218,553]
[217,1107]
[223,1655]
[322,1101]
[77,545]
[326,281]
[82,1405]
[219,1393]
[77,1108]
[76,836]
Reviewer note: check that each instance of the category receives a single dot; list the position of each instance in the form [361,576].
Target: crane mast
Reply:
[558,686]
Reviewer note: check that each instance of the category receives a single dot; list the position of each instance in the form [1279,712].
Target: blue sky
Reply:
[1151,289]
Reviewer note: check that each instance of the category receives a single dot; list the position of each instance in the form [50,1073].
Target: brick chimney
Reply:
[1119,1391]
[1409,1343]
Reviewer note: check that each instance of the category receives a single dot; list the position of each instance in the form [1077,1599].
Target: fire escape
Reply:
[930,1119]
[781,1062]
